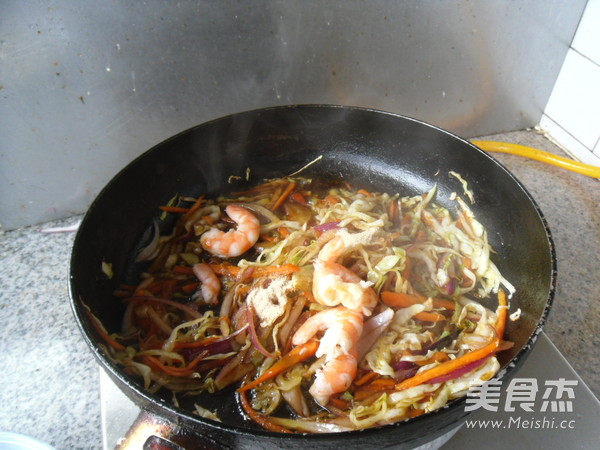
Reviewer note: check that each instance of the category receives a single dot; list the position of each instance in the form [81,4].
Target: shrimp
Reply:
[343,328]
[211,286]
[234,242]
[334,284]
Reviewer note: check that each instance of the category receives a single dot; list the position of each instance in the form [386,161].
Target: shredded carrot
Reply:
[299,198]
[338,403]
[331,200]
[104,334]
[288,190]
[366,378]
[378,385]
[429,316]
[174,209]
[183,270]
[196,205]
[174,371]
[364,192]
[381,384]
[296,355]
[188,288]
[436,357]
[449,366]
[415,413]
[233,271]
[259,418]
[394,211]
[207,341]
[283,231]
[399,299]
[402,300]
[444,303]
[501,314]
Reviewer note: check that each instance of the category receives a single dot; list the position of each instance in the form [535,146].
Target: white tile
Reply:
[587,38]
[568,143]
[575,101]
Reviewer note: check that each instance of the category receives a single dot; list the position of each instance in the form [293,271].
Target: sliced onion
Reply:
[460,372]
[254,336]
[372,329]
[327,226]
[403,374]
[219,346]
[404,365]
[149,251]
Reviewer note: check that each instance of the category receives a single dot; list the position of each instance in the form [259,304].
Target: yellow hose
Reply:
[539,155]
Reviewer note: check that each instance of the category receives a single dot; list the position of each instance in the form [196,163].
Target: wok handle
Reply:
[150,432]
[539,155]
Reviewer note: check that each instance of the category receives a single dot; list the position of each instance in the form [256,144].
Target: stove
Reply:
[546,406]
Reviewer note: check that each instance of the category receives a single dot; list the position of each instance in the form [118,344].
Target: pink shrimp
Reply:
[334,284]
[234,242]
[211,286]
[342,328]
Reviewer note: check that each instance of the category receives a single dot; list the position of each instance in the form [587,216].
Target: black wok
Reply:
[374,149]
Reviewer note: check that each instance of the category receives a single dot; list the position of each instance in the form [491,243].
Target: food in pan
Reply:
[320,306]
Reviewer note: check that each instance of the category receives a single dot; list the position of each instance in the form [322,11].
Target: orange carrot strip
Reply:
[364,192]
[283,269]
[429,316]
[196,204]
[299,198]
[225,269]
[188,288]
[205,341]
[366,378]
[338,403]
[331,200]
[233,271]
[104,334]
[283,231]
[449,366]
[288,190]
[402,300]
[174,209]
[444,303]
[296,355]
[399,299]
[501,314]
[436,357]
[259,418]
[183,270]
[379,385]
[174,371]
[415,412]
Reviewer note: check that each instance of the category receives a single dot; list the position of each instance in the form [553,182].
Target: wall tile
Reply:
[575,101]
[587,38]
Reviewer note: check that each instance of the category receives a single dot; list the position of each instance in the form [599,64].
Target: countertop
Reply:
[50,383]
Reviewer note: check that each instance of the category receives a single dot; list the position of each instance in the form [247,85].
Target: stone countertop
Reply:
[50,382]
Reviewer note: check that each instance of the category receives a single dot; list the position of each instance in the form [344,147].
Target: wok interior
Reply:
[370,149]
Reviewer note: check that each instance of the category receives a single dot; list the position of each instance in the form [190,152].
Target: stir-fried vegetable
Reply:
[320,306]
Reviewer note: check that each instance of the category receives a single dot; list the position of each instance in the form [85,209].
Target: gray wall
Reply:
[86,86]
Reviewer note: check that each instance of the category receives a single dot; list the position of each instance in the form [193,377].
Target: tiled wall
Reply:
[572,115]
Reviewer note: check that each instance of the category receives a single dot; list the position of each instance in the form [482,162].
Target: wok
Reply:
[373,149]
